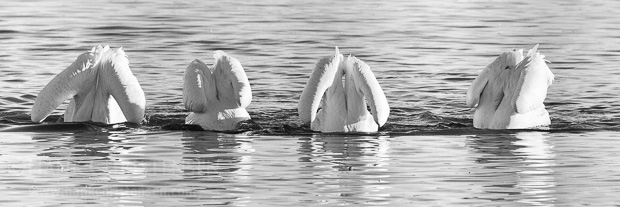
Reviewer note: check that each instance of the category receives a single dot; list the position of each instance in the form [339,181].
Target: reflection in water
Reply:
[536,178]
[202,168]
[133,170]
[515,167]
[97,164]
[219,165]
[326,158]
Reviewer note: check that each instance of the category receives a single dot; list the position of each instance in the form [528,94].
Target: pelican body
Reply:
[344,85]
[216,95]
[100,86]
[509,93]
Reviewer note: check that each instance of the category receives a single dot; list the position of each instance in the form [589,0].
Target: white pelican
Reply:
[101,88]
[509,92]
[216,95]
[344,106]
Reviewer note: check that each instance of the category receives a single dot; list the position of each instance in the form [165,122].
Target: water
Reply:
[424,54]
[199,168]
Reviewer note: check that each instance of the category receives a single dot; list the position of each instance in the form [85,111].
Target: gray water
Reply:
[424,54]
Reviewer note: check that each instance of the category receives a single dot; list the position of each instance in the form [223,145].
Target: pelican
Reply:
[346,84]
[509,93]
[216,95]
[100,86]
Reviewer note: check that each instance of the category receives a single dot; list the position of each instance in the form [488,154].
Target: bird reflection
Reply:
[515,167]
[90,146]
[350,166]
[217,161]
[215,153]
[102,163]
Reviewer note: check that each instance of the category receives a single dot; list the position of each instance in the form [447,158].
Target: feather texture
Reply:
[513,92]
[344,100]
[217,95]
[101,88]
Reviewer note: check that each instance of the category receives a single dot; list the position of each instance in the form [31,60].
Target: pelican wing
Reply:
[240,84]
[504,61]
[322,78]
[533,82]
[194,93]
[476,88]
[116,78]
[64,86]
[371,89]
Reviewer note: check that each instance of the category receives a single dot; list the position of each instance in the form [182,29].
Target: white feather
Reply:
[216,95]
[513,94]
[344,103]
[321,79]
[101,88]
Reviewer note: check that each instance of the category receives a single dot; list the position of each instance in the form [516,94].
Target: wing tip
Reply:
[35,118]
[337,53]
[195,66]
[195,62]
[219,54]
[470,99]
[383,115]
[38,112]
[471,102]
[222,57]
[534,52]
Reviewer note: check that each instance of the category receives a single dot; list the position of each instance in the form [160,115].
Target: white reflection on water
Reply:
[94,165]
[514,167]
[536,179]
[190,168]
[218,165]
[131,169]
[352,168]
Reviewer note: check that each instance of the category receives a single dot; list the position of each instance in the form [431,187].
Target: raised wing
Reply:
[368,84]
[535,78]
[64,86]
[116,78]
[475,90]
[504,62]
[232,68]
[322,78]
[194,93]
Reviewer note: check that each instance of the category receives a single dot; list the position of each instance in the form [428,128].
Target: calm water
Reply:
[424,54]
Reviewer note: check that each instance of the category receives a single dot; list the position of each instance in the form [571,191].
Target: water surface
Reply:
[200,168]
[424,54]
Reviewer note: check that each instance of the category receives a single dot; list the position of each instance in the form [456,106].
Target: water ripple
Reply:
[424,54]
